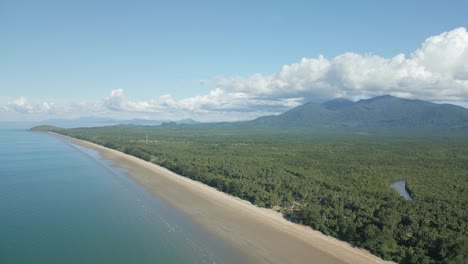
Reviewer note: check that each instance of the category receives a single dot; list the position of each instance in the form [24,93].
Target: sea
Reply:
[62,203]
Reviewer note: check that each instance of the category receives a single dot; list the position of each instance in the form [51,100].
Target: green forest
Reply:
[337,183]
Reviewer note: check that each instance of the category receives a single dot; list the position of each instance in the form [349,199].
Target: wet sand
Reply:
[262,234]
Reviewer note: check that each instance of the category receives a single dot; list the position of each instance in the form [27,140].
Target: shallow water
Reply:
[400,187]
[61,203]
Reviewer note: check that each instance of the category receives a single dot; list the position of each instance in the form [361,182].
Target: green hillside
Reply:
[44,128]
[383,113]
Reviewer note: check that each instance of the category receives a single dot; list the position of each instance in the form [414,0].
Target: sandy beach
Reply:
[262,234]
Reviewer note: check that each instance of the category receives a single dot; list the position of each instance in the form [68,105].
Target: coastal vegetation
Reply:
[45,128]
[337,183]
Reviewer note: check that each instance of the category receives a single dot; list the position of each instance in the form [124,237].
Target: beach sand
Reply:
[262,234]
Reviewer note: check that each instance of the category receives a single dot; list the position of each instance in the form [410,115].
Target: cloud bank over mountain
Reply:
[436,71]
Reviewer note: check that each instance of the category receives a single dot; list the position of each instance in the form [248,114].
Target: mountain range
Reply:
[381,113]
[378,114]
[93,121]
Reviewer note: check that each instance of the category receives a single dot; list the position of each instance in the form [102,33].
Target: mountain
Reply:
[148,122]
[338,103]
[90,121]
[188,121]
[93,121]
[143,122]
[381,113]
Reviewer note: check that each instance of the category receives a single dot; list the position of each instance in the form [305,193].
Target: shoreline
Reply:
[264,235]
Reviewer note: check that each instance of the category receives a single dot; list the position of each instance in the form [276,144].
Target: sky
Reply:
[224,60]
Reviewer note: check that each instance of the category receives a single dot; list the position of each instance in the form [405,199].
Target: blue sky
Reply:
[218,60]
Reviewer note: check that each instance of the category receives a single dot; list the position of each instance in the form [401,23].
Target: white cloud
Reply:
[22,109]
[436,71]
[215,102]
[24,106]
[20,105]
[116,101]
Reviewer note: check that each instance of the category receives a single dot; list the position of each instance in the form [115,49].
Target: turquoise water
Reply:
[60,203]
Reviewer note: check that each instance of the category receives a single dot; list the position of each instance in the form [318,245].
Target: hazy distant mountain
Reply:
[149,122]
[93,121]
[374,114]
[144,122]
[382,113]
[89,121]
[188,121]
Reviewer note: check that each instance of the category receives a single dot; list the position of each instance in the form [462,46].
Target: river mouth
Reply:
[400,187]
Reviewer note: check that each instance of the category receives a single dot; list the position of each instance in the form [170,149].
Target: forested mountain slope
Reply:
[382,113]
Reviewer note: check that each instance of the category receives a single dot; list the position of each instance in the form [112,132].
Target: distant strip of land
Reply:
[263,234]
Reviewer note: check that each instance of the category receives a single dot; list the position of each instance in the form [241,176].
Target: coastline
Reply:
[262,234]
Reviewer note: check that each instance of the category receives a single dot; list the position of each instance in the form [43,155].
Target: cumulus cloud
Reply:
[216,100]
[24,106]
[20,105]
[116,100]
[438,70]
